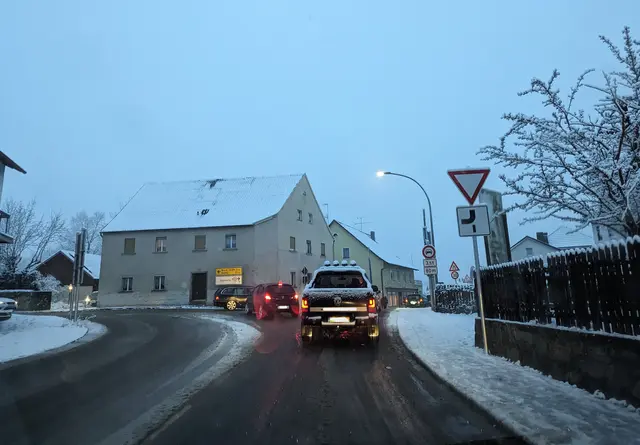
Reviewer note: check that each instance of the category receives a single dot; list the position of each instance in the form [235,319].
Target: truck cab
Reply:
[339,301]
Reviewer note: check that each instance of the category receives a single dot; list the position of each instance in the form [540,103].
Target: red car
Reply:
[269,299]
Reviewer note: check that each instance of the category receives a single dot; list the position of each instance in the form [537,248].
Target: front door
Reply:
[198,286]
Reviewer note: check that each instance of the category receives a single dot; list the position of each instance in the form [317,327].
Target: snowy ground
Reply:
[544,410]
[25,335]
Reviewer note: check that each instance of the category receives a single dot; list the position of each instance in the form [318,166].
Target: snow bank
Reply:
[25,335]
[544,410]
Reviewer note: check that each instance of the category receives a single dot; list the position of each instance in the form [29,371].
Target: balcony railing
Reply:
[4,228]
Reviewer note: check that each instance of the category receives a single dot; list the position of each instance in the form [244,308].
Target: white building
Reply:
[177,242]
[544,243]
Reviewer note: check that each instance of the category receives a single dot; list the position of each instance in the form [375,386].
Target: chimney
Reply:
[373,235]
[542,236]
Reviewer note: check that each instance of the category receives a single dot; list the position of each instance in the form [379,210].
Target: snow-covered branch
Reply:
[575,165]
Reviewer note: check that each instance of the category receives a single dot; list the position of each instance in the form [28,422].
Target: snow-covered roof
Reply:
[204,203]
[91,262]
[384,252]
[562,239]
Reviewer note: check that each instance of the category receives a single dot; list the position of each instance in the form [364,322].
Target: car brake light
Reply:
[217,298]
[279,283]
[267,297]
[305,305]
[295,296]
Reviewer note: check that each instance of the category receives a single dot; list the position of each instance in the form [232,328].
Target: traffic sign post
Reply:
[454,267]
[473,221]
[455,275]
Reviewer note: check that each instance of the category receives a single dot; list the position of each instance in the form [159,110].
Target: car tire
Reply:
[231,305]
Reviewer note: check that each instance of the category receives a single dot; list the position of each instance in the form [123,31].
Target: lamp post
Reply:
[427,238]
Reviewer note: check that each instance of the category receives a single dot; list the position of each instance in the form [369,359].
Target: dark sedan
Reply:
[232,297]
[414,300]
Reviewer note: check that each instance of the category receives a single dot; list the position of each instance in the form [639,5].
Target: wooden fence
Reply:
[596,288]
[455,299]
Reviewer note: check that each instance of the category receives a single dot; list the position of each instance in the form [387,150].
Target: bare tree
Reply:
[94,224]
[32,235]
[577,166]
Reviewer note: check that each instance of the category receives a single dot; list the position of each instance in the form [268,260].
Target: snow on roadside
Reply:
[25,335]
[536,406]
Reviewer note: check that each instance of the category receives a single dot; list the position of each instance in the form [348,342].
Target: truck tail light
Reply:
[371,305]
[267,297]
[305,304]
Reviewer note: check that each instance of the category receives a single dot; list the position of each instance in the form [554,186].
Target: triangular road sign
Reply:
[454,267]
[469,181]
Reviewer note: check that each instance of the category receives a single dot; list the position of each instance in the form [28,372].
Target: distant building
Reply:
[177,242]
[393,276]
[544,243]
[60,266]
[5,161]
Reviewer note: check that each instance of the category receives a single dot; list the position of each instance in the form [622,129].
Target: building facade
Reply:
[393,276]
[60,266]
[176,243]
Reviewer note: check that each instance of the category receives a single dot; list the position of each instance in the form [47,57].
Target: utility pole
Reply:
[78,273]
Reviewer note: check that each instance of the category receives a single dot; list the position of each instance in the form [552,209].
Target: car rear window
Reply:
[284,289]
[351,280]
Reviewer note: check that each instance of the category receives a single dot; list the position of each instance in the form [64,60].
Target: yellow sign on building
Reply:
[228,271]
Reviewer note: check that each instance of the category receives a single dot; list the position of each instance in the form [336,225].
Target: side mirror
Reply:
[375,288]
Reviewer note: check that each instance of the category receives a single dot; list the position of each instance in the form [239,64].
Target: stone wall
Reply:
[593,362]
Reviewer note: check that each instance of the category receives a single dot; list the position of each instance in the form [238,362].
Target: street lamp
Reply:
[432,236]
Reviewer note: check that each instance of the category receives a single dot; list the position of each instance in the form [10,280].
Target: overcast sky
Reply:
[97,98]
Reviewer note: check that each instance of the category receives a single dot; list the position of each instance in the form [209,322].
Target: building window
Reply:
[322,249]
[293,278]
[308,247]
[292,243]
[230,242]
[299,215]
[158,282]
[200,242]
[345,253]
[310,218]
[529,251]
[129,246]
[127,284]
[161,244]
[393,275]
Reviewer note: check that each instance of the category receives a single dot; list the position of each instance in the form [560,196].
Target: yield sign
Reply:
[469,181]
[454,267]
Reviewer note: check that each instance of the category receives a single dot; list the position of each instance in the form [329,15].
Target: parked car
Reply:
[339,302]
[232,297]
[91,300]
[273,298]
[413,300]
[7,306]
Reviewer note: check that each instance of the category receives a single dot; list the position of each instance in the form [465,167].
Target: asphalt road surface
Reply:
[281,394]
[331,394]
[87,394]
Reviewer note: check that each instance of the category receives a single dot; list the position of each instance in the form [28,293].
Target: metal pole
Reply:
[479,284]
[427,238]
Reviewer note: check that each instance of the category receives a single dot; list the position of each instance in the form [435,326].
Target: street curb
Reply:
[455,389]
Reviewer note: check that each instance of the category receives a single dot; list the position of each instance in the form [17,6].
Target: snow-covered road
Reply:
[544,410]
[25,335]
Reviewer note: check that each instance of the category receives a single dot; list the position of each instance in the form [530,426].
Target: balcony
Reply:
[4,228]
